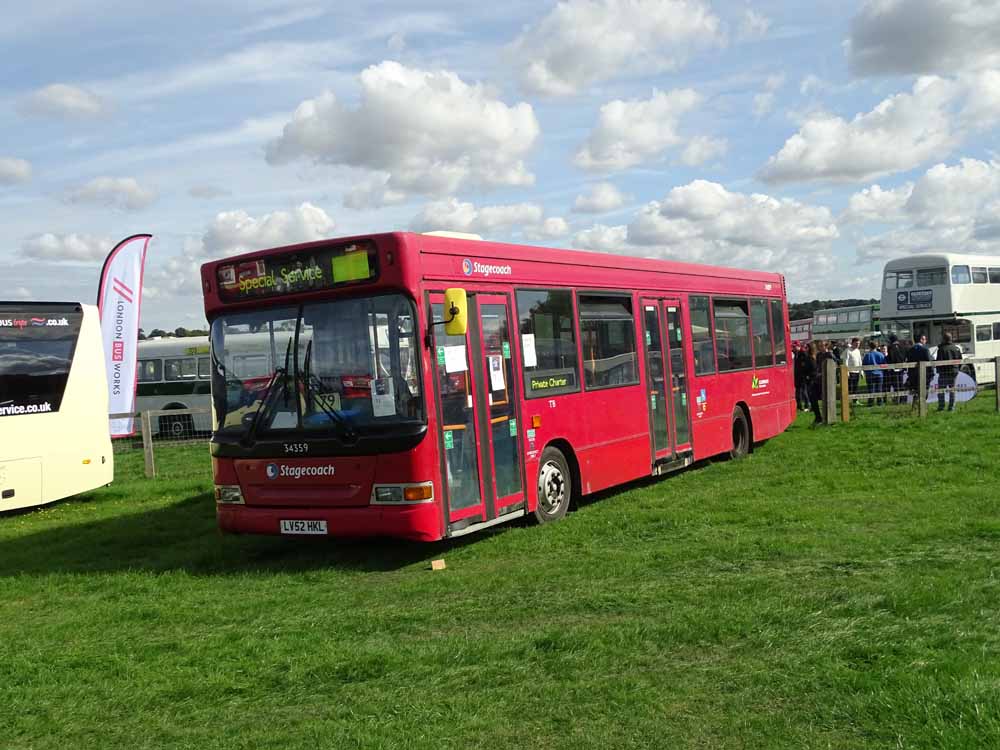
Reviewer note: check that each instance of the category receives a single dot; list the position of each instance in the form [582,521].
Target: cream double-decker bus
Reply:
[937,293]
[54,436]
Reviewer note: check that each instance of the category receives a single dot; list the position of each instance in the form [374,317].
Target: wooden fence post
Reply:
[845,395]
[922,393]
[147,445]
[996,382]
[830,388]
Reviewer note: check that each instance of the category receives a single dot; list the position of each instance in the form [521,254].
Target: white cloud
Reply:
[581,42]
[64,101]
[602,197]
[763,102]
[702,148]
[811,84]
[429,131]
[22,292]
[891,37]
[603,238]
[73,247]
[372,192]
[949,208]
[458,216]
[14,171]
[124,193]
[634,131]
[753,25]
[551,228]
[232,233]
[900,133]
[874,204]
[903,131]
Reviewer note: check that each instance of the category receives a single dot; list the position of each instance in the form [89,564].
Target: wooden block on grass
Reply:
[437,565]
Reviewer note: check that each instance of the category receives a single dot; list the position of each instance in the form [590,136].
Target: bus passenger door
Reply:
[657,376]
[503,459]
[458,442]
[679,396]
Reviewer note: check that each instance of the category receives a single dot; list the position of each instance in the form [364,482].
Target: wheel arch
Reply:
[742,405]
[574,463]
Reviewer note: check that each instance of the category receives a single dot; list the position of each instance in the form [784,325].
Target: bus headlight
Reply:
[402,494]
[228,494]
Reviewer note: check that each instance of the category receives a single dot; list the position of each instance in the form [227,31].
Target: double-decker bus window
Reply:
[701,336]
[960,330]
[732,334]
[182,368]
[932,276]
[548,344]
[607,333]
[898,279]
[778,326]
[980,275]
[994,275]
[763,349]
[150,370]
[960,275]
[996,332]
[983,333]
[36,352]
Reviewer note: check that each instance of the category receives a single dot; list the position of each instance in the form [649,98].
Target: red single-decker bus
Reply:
[343,406]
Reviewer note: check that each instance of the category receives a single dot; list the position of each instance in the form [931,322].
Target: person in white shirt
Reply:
[852,358]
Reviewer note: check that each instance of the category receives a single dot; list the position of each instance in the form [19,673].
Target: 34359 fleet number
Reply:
[296,447]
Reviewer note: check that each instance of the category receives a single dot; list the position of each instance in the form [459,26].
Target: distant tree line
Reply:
[179,332]
[800,310]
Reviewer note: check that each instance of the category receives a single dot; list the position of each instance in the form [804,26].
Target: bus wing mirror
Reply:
[456,312]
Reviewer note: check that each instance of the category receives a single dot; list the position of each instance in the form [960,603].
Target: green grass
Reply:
[838,589]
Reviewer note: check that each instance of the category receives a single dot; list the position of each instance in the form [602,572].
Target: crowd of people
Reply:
[885,384]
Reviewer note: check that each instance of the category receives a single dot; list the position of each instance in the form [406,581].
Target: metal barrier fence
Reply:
[171,440]
[897,388]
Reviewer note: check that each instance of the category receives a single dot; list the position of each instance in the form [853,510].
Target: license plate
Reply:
[303,527]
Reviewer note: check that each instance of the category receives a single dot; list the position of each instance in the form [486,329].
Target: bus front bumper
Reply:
[419,522]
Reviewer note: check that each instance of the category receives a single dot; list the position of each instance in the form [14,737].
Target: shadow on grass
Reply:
[183,537]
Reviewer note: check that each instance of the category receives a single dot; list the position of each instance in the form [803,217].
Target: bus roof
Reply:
[930,260]
[586,267]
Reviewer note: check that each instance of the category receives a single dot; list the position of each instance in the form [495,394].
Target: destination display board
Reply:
[322,268]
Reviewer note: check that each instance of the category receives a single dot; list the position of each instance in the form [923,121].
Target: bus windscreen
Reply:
[36,351]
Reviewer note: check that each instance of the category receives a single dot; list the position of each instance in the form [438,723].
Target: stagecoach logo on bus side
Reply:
[470,267]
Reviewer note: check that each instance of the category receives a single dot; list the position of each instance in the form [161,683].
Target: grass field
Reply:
[838,589]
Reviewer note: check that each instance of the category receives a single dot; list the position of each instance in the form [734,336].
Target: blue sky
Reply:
[816,139]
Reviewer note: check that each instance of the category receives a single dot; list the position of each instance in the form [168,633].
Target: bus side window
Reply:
[150,370]
[204,368]
[181,369]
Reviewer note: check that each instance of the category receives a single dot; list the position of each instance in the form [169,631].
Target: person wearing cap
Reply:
[947,373]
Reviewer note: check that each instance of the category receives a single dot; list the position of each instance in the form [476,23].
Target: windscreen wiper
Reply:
[266,402]
[316,393]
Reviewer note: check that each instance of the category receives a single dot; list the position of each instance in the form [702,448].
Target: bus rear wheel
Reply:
[555,486]
[741,435]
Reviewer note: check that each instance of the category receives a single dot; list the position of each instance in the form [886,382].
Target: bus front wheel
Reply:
[555,486]
[741,435]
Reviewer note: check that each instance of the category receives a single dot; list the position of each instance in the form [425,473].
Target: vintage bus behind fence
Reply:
[937,293]
[845,323]
[424,386]
[175,373]
[54,431]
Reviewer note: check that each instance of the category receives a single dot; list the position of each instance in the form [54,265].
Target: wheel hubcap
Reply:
[551,487]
